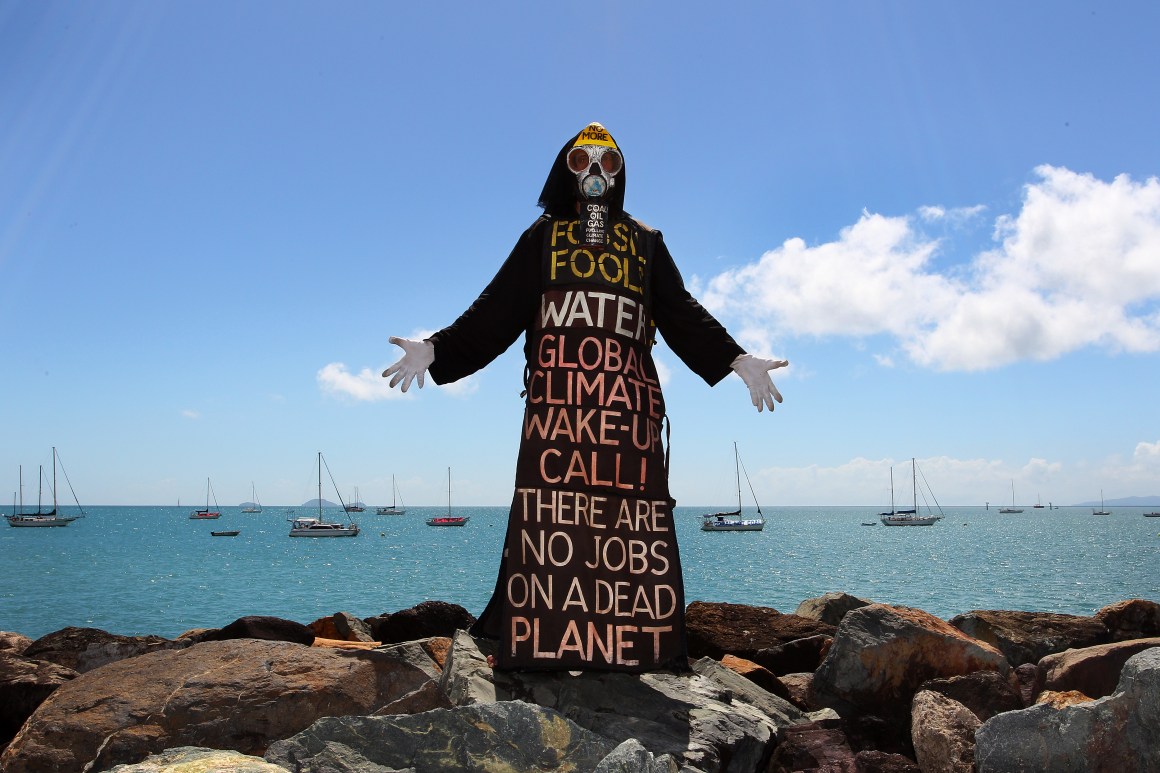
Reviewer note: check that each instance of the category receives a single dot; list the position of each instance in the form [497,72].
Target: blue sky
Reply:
[945,215]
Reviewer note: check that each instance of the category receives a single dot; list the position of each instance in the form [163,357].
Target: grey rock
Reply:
[830,607]
[1114,733]
[711,721]
[509,736]
[632,757]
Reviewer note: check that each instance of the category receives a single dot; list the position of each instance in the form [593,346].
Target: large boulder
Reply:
[422,621]
[718,629]
[830,608]
[83,649]
[709,720]
[511,736]
[1117,732]
[24,685]
[943,733]
[882,654]
[1131,619]
[1025,637]
[1093,671]
[261,627]
[240,694]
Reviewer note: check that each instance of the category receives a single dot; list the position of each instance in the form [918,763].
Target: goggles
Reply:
[581,159]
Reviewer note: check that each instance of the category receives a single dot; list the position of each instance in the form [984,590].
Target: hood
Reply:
[559,196]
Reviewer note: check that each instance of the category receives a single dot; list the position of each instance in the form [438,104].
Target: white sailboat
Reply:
[396,507]
[320,527]
[1102,510]
[1012,508]
[909,517]
[20,519]
[732,520]
[253,506]
[449,519]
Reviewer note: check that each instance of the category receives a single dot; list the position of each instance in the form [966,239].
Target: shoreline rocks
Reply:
[842,684]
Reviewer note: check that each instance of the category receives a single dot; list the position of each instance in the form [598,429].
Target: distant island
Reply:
[1149,501]
[314,503]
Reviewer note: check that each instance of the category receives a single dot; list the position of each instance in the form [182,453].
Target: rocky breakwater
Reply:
[842,684]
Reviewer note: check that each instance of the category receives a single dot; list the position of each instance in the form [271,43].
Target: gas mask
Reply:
[595,160]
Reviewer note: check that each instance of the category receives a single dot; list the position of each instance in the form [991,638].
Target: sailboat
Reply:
[449,519]
[206,514]
[356,506]
[40,519]
[1012,508]
[908,517]
[1102,510]
[732,520]
[319,527]
[396,507]
[254,506]
[1038,503]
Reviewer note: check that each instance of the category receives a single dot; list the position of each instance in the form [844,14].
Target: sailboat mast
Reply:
[914,484]
[448,491]
[737,472]
[319,485]
[54,480]
[892,489]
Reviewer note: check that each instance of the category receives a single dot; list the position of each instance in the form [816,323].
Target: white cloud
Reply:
[1147,452]
[1075,267]
[189,413]
[366,385]
[369,385]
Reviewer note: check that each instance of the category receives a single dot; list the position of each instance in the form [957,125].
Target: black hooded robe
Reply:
[590,576]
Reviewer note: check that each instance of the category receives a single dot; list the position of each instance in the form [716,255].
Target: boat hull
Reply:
[341,531]
[742,525]
[391,511]
[907,521]
[449,521]
[37,521]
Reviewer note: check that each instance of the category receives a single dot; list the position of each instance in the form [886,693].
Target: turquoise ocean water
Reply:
[151,570]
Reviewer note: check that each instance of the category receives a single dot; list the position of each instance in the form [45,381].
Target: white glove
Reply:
[417,358]
[754,371]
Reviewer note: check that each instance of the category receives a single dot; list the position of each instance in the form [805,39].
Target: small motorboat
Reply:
[233,533]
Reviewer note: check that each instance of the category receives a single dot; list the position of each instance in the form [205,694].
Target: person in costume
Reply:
[590,575]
